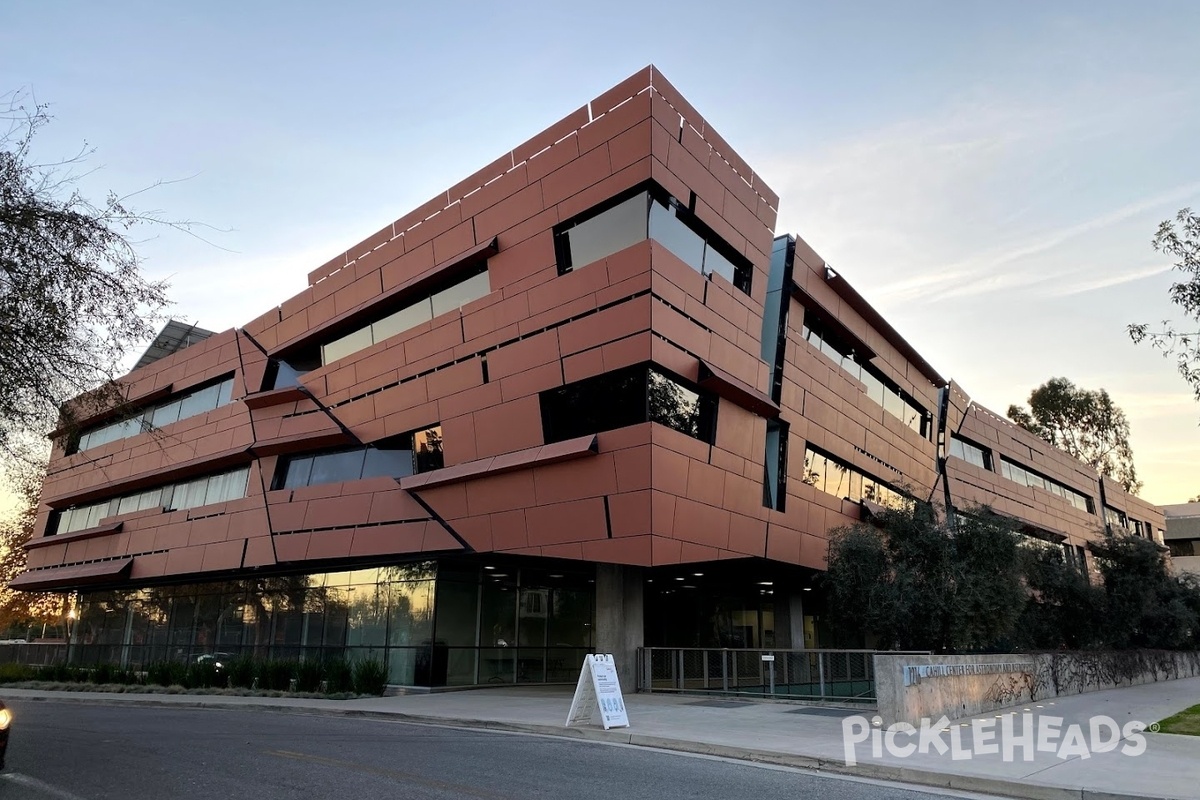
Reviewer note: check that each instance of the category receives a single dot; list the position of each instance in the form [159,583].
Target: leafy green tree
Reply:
[1146,606]
[1085,423]
[913,583]
[73,299]
[1179,239]
[1063,609]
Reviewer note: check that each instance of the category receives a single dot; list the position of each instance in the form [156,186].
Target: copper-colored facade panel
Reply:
[715,470]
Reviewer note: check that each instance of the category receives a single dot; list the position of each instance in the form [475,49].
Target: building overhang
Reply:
[568,450]
[72,577]
[724,385]
[75,536]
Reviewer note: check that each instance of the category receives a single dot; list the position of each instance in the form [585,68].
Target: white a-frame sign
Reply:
[598,688]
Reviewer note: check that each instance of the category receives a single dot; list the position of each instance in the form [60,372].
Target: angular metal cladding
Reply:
[647,493]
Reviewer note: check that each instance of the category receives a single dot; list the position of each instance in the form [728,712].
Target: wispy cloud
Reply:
[1079,284]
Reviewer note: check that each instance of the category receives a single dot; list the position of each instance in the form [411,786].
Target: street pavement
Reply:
[784,734]
[72,751]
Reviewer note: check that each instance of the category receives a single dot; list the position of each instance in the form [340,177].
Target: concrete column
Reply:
[796,618]
[783,621]
[620,625]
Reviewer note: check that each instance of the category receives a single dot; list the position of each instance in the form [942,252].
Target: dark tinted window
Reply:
[396,457]
[775,465]
[390,463]
[603,403]
[427,449]
[627,397]
[334,467]
[674,405]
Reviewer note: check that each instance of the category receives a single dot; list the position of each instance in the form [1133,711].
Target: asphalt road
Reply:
[67,751]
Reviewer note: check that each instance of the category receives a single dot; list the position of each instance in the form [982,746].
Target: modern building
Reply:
[584,399]
[1183,536]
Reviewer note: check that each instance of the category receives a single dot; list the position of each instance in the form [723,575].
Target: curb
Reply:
[884,772]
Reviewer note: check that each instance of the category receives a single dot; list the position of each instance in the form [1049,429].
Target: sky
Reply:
[988,175]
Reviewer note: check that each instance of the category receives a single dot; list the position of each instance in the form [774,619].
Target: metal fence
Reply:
[843,676]
[35,654]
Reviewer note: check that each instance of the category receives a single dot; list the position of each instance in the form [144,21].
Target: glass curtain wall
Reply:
[430,624]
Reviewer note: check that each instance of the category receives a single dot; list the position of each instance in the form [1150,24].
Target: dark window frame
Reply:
[779,502]
[684,212]
[399,442]
[553,401]
[988,460]
[142,413]
[830,336]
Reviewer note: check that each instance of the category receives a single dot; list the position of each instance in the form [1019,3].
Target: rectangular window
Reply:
[427,449]
[1027,477]
[446,298]
[396,457]
[879,389]
[775,465]
[668,230]
[674,405]
[971,452]
[344,346]
[188,494]
[346,465]
[191,404]
[1116,518]
[627,397]
[604,233]
[648,213]
[833,476]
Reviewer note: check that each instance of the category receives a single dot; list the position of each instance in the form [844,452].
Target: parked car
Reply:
[5,721]
[219,660]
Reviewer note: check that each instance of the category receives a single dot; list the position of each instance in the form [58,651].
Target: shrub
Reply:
[10,673]
[202,676]
[275,675]
[309,674]
[167,673]
[103,673]
[370,677]
[241,672]
[61,673]
[339,676]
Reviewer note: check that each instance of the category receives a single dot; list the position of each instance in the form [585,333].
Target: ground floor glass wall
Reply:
[432,623]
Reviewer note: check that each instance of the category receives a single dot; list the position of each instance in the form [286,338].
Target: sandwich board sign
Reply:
[598,689]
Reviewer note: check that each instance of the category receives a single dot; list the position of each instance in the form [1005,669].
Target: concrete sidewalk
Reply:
[789,734]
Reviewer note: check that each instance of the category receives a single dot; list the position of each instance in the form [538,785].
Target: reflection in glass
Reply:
[526,626]
[608,232]
[458,295]
[334,467]
[668,230]
[403,320]
[626,397]
[427,447]
[350,343]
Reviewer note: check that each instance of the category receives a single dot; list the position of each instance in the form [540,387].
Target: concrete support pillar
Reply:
[796,618]
[783,621]
[620,626]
